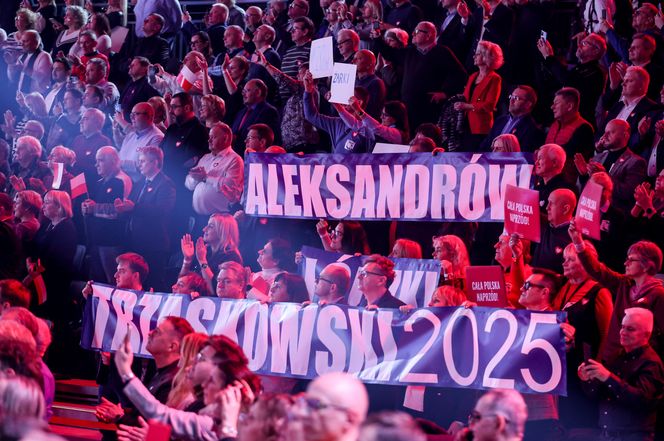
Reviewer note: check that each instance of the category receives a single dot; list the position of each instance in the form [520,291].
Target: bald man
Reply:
[553,236]
[334,407]
[365,61]
[89,141]
[549,164]
[627,169]
[142,132]
[332,284]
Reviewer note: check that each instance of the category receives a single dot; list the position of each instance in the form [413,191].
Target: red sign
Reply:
[522,212]
[485,285]
[587,216]
[158,431]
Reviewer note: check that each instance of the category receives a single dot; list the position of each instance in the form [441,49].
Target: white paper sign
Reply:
[343,83]
[321,60]
[118,37]
[382,147]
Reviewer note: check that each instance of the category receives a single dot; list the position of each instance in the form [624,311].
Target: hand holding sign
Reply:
[588,210]
[522,212]
[343,83]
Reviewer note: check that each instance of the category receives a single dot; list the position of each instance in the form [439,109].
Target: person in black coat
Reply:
[431,73]
[139,89]
[256,110]
[518,122]
[149,209]
[451,31]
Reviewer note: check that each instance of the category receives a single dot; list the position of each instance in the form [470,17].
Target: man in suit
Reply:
[519,121]
[263,39]
[627,169]
[138,90]
[152,46]
[255,110]
[56,92]
[149,209]
[633,104]
[451,32]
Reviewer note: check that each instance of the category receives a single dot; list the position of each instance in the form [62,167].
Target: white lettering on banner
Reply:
[474,177]
[290,340]
[389,192]
[379,191]
[340,207]
[334,359]
[442,188]
[291,190]
[273,207]
[376,346]
[312,202]
[123,304]
[488,381]
[408,376]
[201,305]
[150,303]
[103,296]
[255,194]
[364,196]
[255,342]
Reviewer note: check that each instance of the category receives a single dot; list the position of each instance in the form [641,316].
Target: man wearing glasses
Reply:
[518,121]
[141,133]
[375,277]
[333,408]
[499,415]
[332,285]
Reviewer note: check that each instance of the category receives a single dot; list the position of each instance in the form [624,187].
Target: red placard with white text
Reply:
[588,215]
[522,212]
[485,285]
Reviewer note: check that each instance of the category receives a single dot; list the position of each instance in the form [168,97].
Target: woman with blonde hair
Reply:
[219,244]
[75,18]
[183,392]
[27,206]
[407,249]
[212,110]
[450,249]
[372,12]
[505,143]
[161,112]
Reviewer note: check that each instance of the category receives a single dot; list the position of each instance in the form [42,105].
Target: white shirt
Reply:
[223,185]
[628,108]
[132,143]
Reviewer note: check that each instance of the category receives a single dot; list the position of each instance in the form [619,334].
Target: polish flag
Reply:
[58,171]
[78,186]
[186,79]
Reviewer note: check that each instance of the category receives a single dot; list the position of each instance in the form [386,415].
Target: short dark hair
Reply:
[295,287]
[185,99]
[181,327]
[531,94]
[196,283]
[230,359]
[307,24]
[136,263]
[430,130]
[570,95]
[260,85]
[551,280]
[77,94]
[144,61]
[264,132]
[159,17]
[14,292]
[96,90]
[282,252]
[65,62]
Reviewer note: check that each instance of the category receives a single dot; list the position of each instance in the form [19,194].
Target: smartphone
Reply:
[118,108]
[603,14]
[543,35]
[152,74]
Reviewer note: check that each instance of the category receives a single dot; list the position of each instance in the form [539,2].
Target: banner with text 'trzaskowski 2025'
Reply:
[448,347]
[464,187]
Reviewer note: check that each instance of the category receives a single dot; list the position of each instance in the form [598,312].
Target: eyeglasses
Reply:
[528,285]
[516,98]
[420,31]
[475,416]
[138,113]
[317,405]
[364,273]
[319,278]
[295,28]
[631,260]
[342,42]
[587,43]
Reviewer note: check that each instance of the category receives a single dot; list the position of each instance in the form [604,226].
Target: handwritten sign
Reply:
[343,83]
[485,285]
[321,59]
[522,215]
[587,216]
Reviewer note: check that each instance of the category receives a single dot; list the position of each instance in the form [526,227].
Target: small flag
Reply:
[186,79]
[78,186]
[40,287]
[58,171]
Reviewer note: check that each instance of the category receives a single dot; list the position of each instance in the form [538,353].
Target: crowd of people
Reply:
[122,162]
